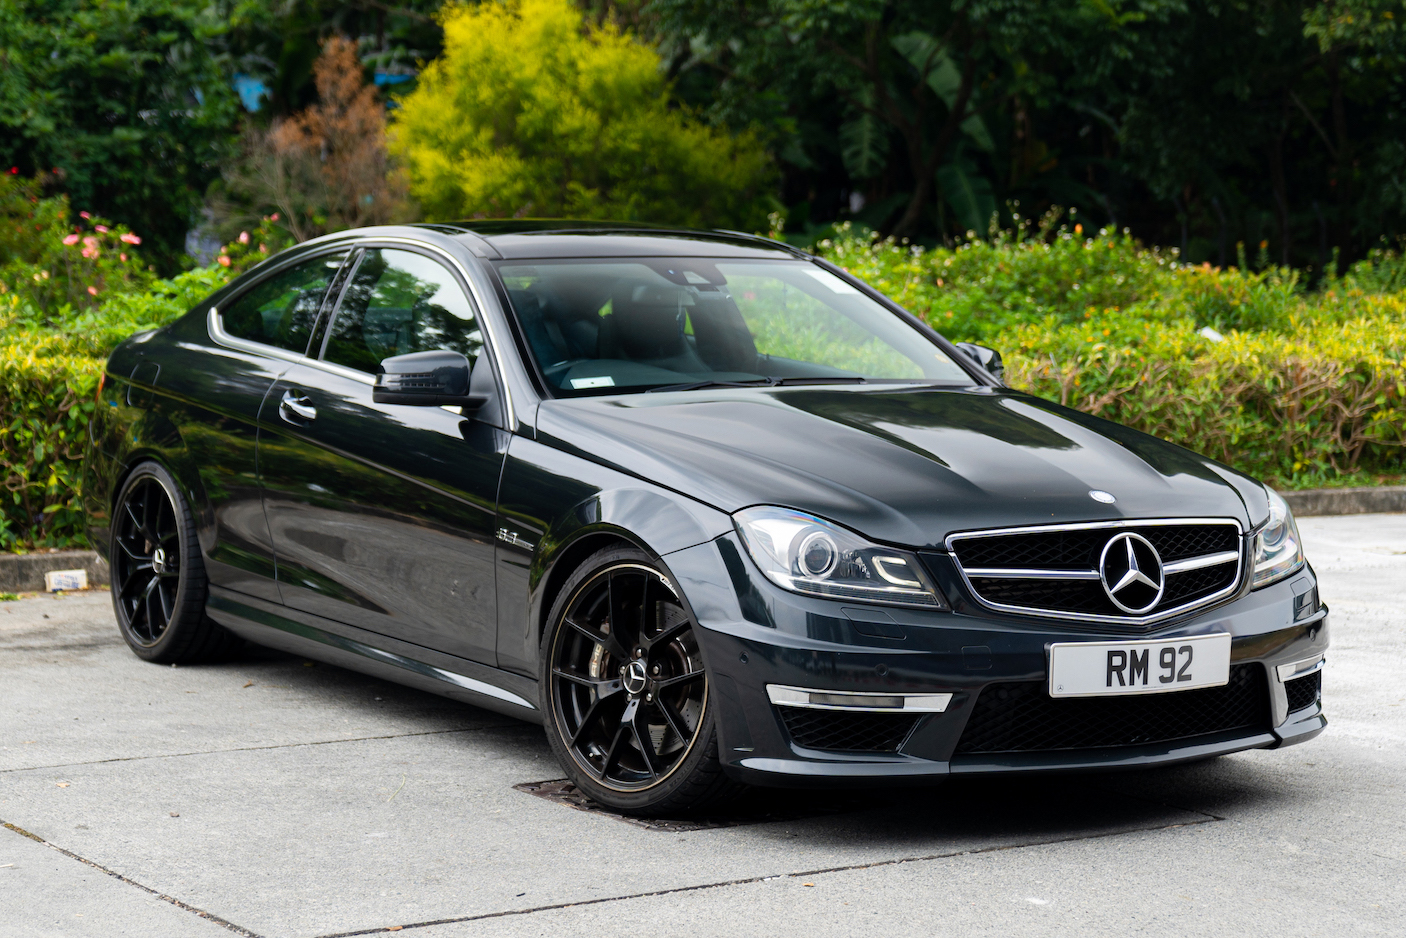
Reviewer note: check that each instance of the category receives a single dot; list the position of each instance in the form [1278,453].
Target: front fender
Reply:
[128,428]
[555,509]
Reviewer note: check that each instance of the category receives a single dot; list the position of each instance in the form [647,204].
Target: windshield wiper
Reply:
[823,379]
[700,385]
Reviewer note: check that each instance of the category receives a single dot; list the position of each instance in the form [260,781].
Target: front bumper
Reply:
[756,635]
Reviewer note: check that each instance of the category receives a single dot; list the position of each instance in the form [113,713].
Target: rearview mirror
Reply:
[426,379]
[988,358]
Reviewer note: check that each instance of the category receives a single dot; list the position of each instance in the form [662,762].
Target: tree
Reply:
[530,112]
[325,168]
[926,76]
[121,103]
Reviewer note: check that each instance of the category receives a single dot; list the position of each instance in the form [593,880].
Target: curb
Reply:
[24,573]
[1361,501]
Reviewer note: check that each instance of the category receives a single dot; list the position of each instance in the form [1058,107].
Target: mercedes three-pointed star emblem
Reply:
[1131,572]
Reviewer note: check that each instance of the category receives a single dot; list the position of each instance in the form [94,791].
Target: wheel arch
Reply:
[644,518]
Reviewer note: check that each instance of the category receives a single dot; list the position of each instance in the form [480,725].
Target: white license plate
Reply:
[1151,666]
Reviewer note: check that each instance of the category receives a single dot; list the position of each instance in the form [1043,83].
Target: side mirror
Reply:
[988,358]
[426,379]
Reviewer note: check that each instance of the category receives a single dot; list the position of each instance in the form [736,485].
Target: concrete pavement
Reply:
[274,797]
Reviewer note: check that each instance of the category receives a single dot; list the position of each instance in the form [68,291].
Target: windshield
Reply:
[602,327]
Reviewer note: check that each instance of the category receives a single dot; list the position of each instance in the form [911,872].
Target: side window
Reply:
[396,303]
[282,310]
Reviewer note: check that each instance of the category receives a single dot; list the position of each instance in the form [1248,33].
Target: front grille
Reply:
[1054,571]
[1022,717]
[837,731]
[1303,691]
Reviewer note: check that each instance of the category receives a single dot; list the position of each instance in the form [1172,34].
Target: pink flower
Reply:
[93,291]
[224,260]
[101,228]
[89,252]
[131,238]
[71,240]
[263,248]
[273,217]
[123,257]
[244,237]
[90,242]
[84,215]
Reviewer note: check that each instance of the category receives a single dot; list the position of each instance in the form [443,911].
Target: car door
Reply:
[382,514]
[213,399]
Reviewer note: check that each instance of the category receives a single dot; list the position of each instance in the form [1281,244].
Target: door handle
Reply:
[296,409]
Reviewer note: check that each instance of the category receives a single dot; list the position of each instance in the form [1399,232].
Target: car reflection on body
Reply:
[711,510]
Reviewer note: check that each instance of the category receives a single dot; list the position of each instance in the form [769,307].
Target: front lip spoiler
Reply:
[902,770]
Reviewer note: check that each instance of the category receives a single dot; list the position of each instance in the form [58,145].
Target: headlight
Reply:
[1278,549]
[804,554]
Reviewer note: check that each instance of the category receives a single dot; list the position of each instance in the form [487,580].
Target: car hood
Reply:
[904,466]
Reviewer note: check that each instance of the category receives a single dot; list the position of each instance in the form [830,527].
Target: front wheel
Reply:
[158,576]
[625,691]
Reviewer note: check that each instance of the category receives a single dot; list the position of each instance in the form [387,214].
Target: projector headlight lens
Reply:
[1278,548]
[806,554]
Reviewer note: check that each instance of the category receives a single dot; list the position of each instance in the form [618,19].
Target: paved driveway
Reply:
[272,796]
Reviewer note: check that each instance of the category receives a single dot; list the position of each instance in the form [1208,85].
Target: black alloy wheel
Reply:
[626,691]
[158,578]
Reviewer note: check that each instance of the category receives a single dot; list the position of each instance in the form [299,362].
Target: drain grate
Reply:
[754,807]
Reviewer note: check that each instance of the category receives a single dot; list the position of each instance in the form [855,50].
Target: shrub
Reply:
[530,112]
[1304,388]
[48,260]
[325,168]
[47,391]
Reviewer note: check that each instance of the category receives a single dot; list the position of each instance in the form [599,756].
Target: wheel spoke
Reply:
[137,523]
[165,605]
[126,588]
[141,608]
[626,618]
[595,714]
[668,633]
[681,679]
[613,753]
[130,552]
[675,720]
[603,688]
[645,742]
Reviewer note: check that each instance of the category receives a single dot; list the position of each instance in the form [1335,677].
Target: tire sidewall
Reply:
[704,744]
[165,647]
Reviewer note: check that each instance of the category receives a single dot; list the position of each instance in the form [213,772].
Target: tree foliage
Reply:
[122,103]
[1197,123]
[528,112]
[324,168]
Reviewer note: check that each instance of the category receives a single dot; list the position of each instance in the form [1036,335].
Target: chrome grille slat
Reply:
[1052,570]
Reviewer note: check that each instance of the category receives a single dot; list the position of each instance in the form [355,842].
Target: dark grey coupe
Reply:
[708,508]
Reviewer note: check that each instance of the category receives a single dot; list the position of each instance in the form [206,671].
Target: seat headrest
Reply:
[648,321]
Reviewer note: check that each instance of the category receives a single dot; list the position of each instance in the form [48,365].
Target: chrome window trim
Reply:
[1237,582]
[221,337]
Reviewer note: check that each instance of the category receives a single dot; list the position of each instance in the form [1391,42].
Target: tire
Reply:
[158,578]
[617,712]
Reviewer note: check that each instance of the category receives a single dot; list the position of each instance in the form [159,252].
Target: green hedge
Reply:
[1304,388]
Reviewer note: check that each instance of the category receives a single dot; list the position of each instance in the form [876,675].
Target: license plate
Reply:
[1151,666]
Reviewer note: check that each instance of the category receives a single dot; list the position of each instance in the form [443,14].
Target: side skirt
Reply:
[265,623]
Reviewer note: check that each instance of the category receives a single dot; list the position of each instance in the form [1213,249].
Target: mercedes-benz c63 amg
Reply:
[709,509]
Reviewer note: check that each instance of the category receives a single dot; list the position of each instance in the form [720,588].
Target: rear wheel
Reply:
[626,693]
[158,577]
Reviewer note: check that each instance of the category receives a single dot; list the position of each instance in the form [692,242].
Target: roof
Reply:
[537,238]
